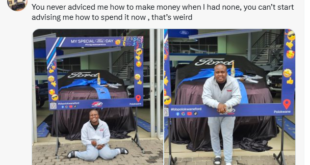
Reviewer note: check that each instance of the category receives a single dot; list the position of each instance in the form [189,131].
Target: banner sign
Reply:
[62,42]
[286,107]
[182,33]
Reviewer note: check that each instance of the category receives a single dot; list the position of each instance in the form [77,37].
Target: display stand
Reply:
[136,138]
[280,158]
[114,44]
[172,161]
[57,139]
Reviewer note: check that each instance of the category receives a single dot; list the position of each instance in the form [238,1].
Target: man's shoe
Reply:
[71,154]
[217,161]
[123,150]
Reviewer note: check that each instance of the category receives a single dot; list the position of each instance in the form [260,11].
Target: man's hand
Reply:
[94,143]
[99,147]
[221,108]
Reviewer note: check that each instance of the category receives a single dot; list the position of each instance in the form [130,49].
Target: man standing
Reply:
[95,135]
[221,92]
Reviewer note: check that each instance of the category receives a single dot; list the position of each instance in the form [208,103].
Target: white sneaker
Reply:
[228,163]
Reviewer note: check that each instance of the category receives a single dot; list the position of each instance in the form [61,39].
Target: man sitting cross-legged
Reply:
[96,135]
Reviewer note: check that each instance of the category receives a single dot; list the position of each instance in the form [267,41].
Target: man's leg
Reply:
[90,154]
[107,153]
[214,126]
[227,127]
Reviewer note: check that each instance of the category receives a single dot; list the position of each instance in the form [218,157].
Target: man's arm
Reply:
[207,95]
[106,135]
[84,136]
[236,95]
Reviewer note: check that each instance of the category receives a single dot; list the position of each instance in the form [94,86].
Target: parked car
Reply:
[274,81]
[146,90]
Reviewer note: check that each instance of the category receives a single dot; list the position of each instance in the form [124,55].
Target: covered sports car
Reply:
[195,131]
[120,120]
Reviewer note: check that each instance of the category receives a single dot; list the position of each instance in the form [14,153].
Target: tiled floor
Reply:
[44,154]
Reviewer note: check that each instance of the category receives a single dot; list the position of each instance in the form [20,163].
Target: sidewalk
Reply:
[44,154]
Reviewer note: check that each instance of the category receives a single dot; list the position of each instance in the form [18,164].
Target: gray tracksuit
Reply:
[102,136]
[230,95]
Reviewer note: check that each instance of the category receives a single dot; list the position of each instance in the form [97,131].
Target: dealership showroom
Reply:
[115,65]
[258,53]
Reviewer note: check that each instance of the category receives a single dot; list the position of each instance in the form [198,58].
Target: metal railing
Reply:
[268,54]
[269,44]
[127,57]
[122,61]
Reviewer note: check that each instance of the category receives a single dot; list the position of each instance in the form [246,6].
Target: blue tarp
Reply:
[103,92]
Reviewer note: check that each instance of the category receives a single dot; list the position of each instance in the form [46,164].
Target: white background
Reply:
[17,51]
